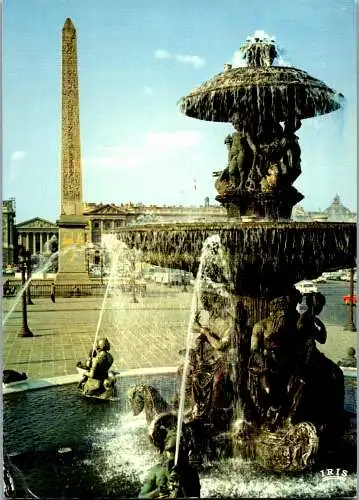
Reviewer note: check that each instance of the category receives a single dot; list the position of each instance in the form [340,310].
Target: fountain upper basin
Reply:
[263,254]
[281,91]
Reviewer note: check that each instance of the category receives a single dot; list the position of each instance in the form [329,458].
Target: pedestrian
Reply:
[53,292]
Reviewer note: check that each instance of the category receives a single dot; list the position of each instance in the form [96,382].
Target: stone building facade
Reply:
[35,233]
[108,218]
[336,212]
[8,232]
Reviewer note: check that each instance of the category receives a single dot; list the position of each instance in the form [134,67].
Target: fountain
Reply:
[262,390]
[256,387]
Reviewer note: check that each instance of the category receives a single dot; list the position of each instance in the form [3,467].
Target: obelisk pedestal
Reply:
[72,223]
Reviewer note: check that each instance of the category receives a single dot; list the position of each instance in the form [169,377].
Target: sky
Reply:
[136,59]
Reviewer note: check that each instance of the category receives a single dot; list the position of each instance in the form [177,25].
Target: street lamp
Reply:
[101,264]
[29,270]
[183,276]
[350,326]
[25,331]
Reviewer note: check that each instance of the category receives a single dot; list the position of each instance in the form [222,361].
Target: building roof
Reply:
[337,208]
[38,223]
[107,209]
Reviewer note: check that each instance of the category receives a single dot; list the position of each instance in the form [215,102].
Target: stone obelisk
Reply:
[72,223]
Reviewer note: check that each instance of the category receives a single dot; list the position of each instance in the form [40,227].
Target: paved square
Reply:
[145,334]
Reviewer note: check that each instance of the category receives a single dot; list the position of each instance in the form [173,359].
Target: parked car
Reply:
[164,276]
[306,287]
[188,277]
[346,276]
[320,279]
[95,272]
[335,275]
[348,299]
[148,274]
[170,276]
[8,271]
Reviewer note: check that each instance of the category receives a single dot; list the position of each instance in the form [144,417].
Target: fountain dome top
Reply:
[280,92]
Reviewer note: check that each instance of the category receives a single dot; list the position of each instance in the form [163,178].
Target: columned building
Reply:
[109,218]
[8,231]
[35,233]
[336,212]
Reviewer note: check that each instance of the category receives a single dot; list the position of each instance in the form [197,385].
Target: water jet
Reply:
[286,406]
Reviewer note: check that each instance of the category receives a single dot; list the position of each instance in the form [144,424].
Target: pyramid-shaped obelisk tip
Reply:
[69,25]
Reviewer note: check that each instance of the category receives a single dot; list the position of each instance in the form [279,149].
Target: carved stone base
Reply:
[287,450]
[72,260]
[269,205]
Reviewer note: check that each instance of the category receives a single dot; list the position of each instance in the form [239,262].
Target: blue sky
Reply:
[136,60]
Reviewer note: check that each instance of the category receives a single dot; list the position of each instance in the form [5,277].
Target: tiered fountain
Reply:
[270,395]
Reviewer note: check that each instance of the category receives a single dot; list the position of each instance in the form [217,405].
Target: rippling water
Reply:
[66,446]
[92,449]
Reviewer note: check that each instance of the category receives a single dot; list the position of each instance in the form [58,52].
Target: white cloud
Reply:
[147,90]
[161,54]
[110,149]
[155,148]
[154,167]
[117,160]
[194,61]
[18,156]
[166,140]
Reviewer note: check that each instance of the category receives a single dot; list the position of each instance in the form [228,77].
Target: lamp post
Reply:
[87,258]
[101,264]
[350,326]
[28,275]
[25,331]
[184,281]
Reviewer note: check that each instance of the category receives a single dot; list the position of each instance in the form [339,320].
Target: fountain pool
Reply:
[85,449]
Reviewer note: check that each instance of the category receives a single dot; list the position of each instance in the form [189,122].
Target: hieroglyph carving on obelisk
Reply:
[71,178]
[72,223]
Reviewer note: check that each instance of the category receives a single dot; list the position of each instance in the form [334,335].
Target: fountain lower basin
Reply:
[67,446]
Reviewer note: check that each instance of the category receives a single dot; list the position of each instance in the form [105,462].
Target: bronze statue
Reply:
[263,163]
[350,360]
[170,480]
[271,359]
[144,397]
[99,381]
[309,326]
[241,154]
[206,374]
[259,52]
[270,182]
[290,381]
[290,161]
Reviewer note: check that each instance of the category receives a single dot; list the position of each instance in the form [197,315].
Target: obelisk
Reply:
[72,223]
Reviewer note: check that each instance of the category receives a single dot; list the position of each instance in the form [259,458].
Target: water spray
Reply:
[194,307]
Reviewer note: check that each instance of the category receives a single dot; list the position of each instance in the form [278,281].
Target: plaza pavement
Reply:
[145,334]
